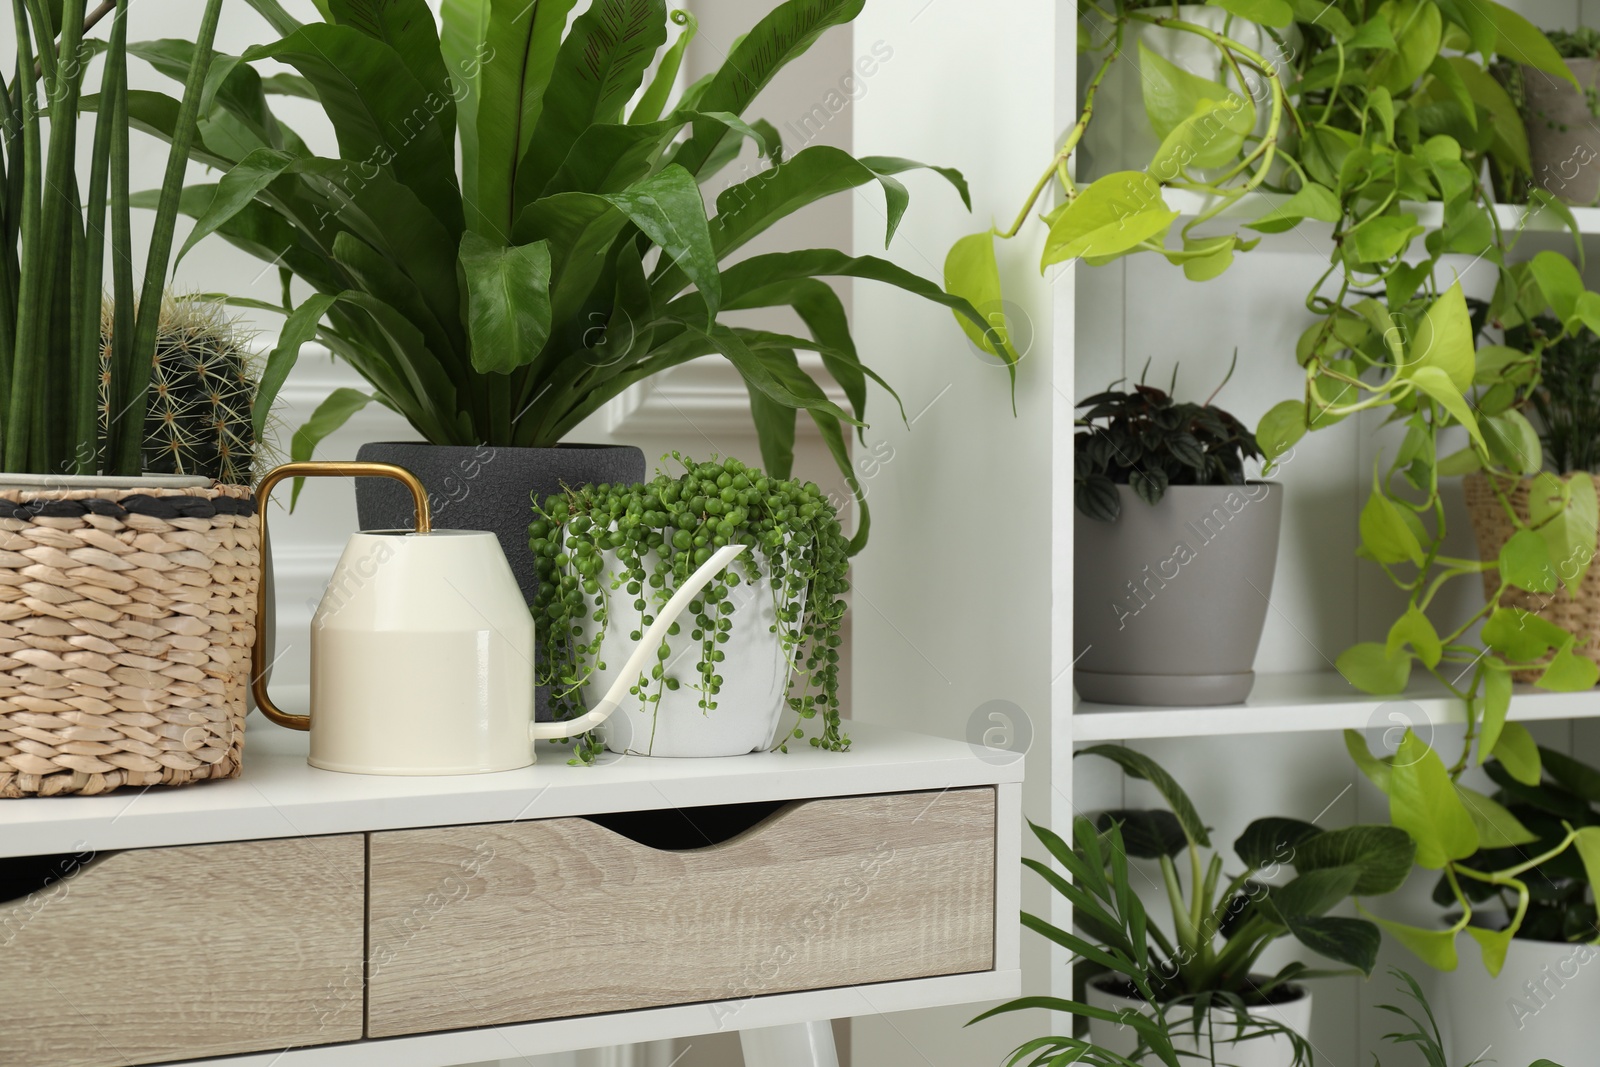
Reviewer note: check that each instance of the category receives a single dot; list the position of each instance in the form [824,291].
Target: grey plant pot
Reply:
[1563,132]
[488,488]
[1169,601]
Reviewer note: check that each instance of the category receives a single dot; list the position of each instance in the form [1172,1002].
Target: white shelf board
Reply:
[1512,217]
[280,795]
[1305,702]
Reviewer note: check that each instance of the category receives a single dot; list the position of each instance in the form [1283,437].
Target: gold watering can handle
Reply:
[258,651]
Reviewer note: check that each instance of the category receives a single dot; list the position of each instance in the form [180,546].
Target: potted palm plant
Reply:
[130,595]
[570,255]
[1192,995]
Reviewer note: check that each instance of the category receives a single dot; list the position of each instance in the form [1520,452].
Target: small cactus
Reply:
[202,392]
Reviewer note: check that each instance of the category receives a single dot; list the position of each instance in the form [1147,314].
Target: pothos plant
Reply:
[595,544]
[1390,105]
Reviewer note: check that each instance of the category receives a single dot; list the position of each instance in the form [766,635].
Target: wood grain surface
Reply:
[175,953]
[480,925]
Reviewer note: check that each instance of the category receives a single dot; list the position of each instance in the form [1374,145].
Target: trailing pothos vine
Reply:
[595,544]
[1379,108]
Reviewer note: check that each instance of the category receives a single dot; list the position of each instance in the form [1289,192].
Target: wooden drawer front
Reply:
[508,922]
[176,953]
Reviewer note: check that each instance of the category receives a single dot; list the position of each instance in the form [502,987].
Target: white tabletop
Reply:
[279,795]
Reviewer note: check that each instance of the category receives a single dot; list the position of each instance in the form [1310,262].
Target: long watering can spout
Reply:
[642,652]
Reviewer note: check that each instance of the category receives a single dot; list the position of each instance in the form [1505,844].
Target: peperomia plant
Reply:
[596,543]
[1145,439]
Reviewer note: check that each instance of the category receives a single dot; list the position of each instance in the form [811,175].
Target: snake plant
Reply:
[570,254]
[53,259]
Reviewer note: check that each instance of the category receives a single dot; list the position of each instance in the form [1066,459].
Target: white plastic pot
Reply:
[1120,136]
[755,673]
[1544,1004]
[1276,1051]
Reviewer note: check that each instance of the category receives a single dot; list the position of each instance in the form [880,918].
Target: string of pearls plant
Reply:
[596,543]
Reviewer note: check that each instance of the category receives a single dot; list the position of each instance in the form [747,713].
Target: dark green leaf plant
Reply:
[598,547]
[1559,905]
[570,255]
[1145,439]
[67,224]
[1201,973]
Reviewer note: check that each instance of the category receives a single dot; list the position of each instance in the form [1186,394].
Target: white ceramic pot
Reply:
[755,679]
[1543,1004]
[1120,136]
[1275,1051]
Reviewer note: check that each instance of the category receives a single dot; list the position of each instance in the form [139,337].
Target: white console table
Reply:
[302,918]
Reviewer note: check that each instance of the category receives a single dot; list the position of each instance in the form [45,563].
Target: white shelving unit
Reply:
[1280,752]
[1310,701]
[964,604]
[1512,217]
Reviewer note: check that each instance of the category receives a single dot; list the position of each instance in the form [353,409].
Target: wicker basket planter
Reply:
[1578,614]
[126,620]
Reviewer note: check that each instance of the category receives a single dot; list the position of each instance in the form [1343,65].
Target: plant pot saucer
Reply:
[98,481]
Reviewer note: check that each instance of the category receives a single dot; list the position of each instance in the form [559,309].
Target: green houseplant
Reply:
[1562,141]
[1557,931]
[1167,525]
[75,410]
[69,409]
[609,557]
[571,255]
[1192,993]
[1390,109]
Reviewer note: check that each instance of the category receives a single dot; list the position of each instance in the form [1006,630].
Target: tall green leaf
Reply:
[1137,765]
[508,301]
[598,68]
[382,115]
[785,33]
[654,99]
[128,438]
[463,25]
[521,42]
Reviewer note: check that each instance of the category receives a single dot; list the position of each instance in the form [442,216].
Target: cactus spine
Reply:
[198,418]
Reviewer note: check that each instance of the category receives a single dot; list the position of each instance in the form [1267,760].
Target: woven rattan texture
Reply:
[126,620]
[1578,614]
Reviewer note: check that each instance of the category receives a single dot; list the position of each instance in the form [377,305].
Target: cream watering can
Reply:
[422,649]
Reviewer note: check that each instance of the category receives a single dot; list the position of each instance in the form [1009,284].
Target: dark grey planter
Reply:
[488,488]
[1169,601]
[1563,132]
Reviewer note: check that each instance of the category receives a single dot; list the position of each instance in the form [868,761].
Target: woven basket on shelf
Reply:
[126,620]
[1578,614]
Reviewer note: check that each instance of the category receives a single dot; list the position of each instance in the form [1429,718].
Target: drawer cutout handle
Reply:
[688,829]
[22,876]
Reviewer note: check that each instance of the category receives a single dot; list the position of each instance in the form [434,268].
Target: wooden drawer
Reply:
[508,922]
[175,953]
